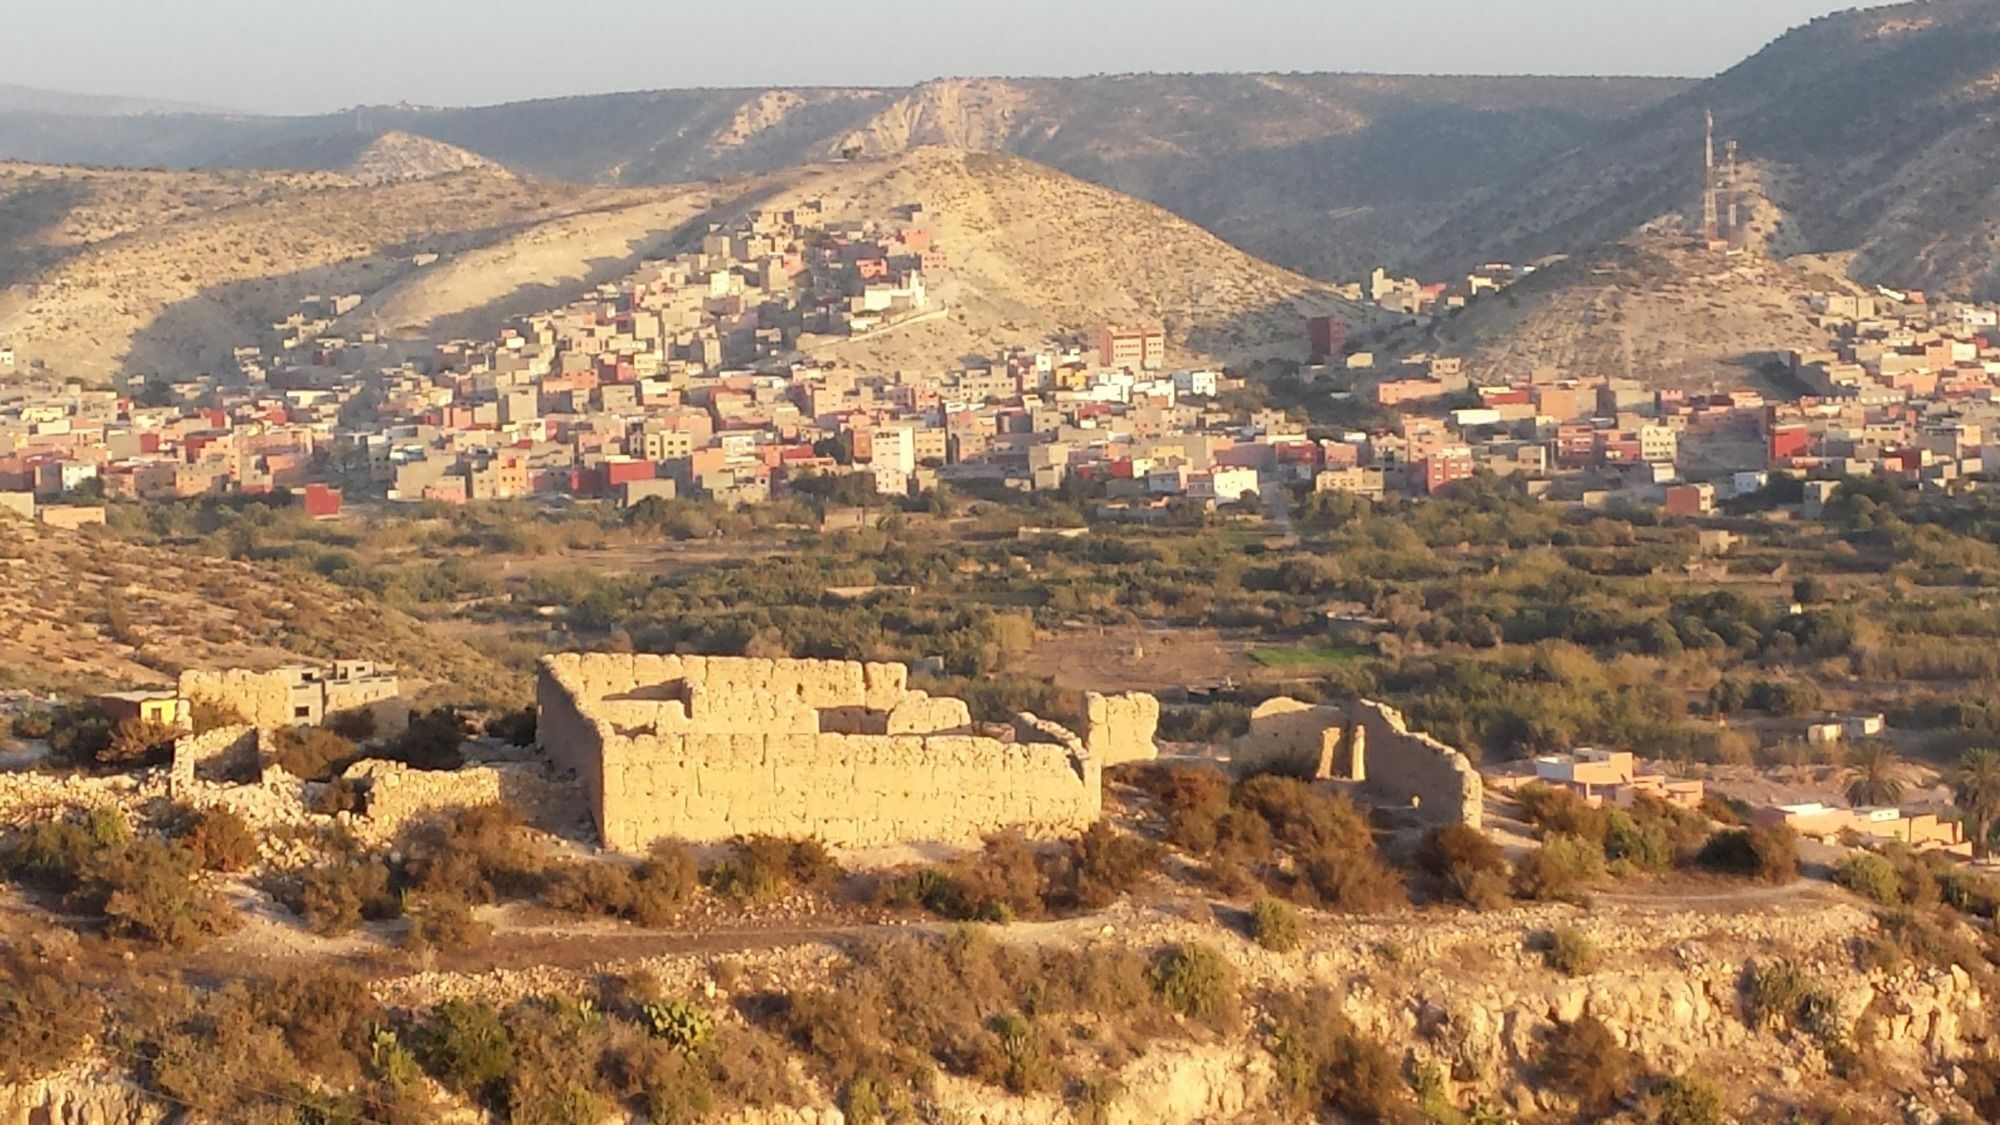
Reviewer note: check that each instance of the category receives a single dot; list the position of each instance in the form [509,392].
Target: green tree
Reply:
[1976,788]
[1875,779]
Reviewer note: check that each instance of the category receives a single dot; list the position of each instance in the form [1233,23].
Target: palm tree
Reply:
[1875,781]
[1976,788]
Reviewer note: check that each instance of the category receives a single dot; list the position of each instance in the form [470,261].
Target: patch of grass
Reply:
[1311,658]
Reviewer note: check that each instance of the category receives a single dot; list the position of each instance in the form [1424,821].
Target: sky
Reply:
[288,56]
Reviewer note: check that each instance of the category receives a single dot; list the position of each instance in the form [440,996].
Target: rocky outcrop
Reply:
[80,1097]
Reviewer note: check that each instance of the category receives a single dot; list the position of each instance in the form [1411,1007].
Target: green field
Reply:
[1307,658]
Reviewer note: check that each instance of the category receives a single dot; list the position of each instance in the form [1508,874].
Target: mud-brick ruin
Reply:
[1370,746]
[705,749]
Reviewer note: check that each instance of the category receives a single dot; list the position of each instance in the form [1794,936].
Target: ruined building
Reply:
[1371,746]
[705,749]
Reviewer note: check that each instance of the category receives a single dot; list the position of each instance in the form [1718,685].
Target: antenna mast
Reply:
[1708,209]
[1735,227]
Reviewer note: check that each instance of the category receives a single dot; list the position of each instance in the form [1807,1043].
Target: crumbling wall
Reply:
[1121,728]
[846,790]
[921,713]
[397,796]
[224,754]
[1294,737]
[823,685]
[264,699]
[1406,767]
[709,748]
[1368,743]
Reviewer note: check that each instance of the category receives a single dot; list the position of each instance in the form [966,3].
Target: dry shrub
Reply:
[1768,855]
[1195,982]
[764,867]
[979,1009]
[1100,867]
[1276,926]
[479,855]
[337,896]
[220,840]
[45,1024]
[559,1048]
[138,742]
[1325,1065]
[1583,1061]
[313,753]
[1571,952]
[1465,864]
[1556,811]
[1006,880]
[1561,870]
[444,922]
[464,1045]
[152,891]
[327,1019]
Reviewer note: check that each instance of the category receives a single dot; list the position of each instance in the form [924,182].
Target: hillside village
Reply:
[695,378]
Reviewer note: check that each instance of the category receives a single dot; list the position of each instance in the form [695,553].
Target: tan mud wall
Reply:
[264,699]
[1121,728]
[1371,744]
[847,790]
[709,748]
[1287,734]
[1403,764]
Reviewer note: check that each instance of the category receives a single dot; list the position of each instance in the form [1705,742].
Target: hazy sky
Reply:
[292,56]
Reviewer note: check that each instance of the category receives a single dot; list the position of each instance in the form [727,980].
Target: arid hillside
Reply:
[371,158]
[1035,252]
[158,272]
[1658,309]
[1327,173]
[1874,130]
[117,272]
[88,611]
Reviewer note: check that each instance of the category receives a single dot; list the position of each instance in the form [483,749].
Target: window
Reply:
[302,712]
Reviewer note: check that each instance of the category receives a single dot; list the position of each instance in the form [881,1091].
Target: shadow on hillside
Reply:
[26,213]
[198,334]
[1274,330]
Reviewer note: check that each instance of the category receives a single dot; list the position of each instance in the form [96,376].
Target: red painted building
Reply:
[1790,441]
[320,502]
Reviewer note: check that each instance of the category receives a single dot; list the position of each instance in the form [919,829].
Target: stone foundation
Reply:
[706,749]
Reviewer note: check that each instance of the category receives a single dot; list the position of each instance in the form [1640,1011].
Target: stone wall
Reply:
[1120,728]
[1371,745]
[1406,766]
[396,796]
[264,699]
[1296,737]
[223,754]
[709,748]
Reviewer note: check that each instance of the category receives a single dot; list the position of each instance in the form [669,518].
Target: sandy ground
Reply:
[1137,658]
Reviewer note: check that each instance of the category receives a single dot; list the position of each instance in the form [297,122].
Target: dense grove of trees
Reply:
[1500,622]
